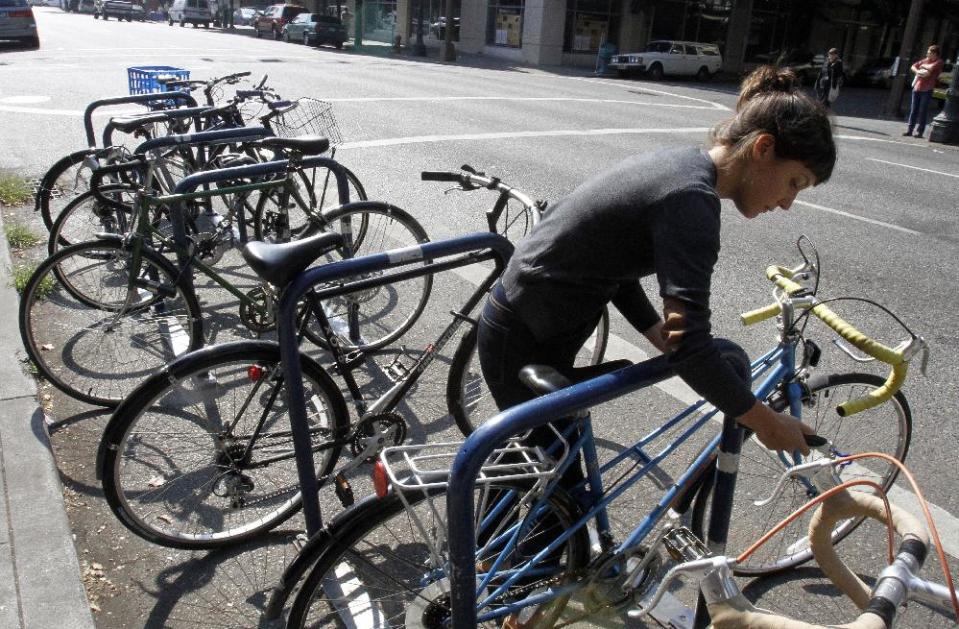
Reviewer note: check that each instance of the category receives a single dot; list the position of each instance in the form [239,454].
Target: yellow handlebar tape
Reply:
[782,277]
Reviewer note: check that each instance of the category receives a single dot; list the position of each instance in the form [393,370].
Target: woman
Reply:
[659,213]
[830,78]
[927,72]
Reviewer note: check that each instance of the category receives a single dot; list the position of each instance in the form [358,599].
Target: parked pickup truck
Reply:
[671,57]
[120,9]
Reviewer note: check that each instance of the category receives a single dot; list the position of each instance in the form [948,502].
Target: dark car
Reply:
[805,64]
[244,16]
[329,30]
[17,22]
[874,73]
[275,18]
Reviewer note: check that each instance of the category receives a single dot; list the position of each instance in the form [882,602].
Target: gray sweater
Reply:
[656,213]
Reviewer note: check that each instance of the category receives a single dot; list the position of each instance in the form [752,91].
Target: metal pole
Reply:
[358,25]
[449,51]
[419,48]
[905,52]
[945,126]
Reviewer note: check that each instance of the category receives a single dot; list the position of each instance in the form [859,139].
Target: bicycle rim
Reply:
[468,398]
[886,428]
[176,470]
[86,217]
[385,313]
[93,339]
[376,566]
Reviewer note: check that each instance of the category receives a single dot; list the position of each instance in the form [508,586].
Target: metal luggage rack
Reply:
[427,466]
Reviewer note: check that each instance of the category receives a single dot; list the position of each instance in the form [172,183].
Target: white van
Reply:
[194,12]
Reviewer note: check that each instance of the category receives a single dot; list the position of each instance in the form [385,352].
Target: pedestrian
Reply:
[659,213]
[927,72]
[830,78]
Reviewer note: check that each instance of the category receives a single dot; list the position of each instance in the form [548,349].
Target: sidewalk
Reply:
[40,583]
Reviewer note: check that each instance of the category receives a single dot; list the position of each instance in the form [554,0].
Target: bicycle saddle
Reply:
[543,379]
[279,263]
[129,124]
[304,145]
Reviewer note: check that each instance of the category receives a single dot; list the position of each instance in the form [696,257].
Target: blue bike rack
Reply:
[517,420]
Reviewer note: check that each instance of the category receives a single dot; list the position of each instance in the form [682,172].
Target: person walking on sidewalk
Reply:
[927,72]
[830,78]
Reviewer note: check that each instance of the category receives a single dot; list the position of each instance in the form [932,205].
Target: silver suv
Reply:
[676,58]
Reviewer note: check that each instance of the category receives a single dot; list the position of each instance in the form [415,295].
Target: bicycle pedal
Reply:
[682,545]
[343,490]
[299,542]
[396,371]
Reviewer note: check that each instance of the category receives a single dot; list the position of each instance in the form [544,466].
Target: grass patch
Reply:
[21,275]
[21,237]
[14,190]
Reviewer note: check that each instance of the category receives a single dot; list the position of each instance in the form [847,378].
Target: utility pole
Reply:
[905,51]
[449,51]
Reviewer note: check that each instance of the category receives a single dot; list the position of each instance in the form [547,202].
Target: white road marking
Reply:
[872,221]
[863,138]
[23,100]
[511,135]
[376,99]
[925,170]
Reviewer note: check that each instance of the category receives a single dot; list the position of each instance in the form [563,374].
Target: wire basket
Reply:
[306,116]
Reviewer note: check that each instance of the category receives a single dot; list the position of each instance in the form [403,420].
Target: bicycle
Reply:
[98,317]
[200,387]
[535,544]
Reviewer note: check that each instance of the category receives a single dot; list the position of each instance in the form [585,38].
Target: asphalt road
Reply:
[885,226]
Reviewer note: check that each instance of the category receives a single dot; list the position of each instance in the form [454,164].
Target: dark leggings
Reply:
[506,345]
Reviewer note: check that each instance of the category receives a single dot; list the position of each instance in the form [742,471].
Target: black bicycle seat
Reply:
[129,124]
[543,379]
[304,145]
[279,263]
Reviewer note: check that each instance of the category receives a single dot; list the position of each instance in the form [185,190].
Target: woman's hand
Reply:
[777,431]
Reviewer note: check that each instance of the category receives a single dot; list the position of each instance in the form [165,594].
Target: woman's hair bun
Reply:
[764,80]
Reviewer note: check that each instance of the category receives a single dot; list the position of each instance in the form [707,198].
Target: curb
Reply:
[40,581]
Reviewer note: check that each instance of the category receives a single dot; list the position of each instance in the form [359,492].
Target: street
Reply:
[885,226]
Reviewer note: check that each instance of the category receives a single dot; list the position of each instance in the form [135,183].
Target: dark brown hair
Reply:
[935,49]
[770,102]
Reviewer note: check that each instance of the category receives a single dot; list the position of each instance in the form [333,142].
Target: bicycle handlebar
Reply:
[897,358]
[469,179]
[879,604]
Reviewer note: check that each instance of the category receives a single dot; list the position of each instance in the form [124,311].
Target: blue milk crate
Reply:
[146,79]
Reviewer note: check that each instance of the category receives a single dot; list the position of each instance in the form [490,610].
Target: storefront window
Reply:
[590,24]
[505,23]
[379,20]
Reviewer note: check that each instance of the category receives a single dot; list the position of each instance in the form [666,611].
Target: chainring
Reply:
[259,314]
[389,428]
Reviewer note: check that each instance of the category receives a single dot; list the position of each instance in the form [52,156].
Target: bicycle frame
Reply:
[776,368]
[460,251]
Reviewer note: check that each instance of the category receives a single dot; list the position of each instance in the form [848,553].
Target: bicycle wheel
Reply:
[90,336]
[65,180]
[886,428]
[374,567]
[468,399]
[288,212]
[200,456]
[385,313]
[85,217]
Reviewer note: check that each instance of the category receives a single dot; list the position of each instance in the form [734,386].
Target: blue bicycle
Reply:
[482,533]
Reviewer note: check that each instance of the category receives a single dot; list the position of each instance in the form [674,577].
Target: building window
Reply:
[505,23]
[591,23]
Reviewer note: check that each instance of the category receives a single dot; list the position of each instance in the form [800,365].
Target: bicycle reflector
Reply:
[254,372]
[381,481]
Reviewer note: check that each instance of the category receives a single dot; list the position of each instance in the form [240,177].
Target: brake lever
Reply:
[816,467]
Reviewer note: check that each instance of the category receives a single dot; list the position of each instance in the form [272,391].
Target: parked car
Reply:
[275,18]
[874,73]
[438,28]
[244,16]
[193,12]
[805,64]
[677,58]
[17,22]
[120,9]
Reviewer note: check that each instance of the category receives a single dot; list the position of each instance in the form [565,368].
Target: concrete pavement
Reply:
[40,580]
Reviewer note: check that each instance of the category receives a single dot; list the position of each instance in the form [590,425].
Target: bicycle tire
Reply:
[172,478]
[85,217]
[64,333]
[66,179]
[268,220]
[467,397]
[785,551]
[379,525]
[387,312]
